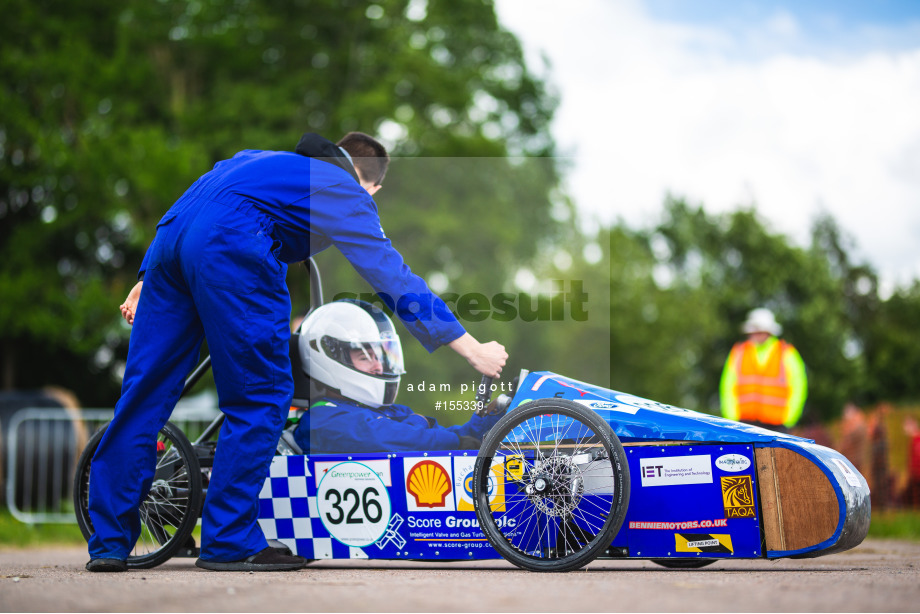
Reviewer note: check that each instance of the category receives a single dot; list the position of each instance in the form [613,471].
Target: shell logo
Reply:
[429,484]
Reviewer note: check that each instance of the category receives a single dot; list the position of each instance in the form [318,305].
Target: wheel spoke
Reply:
[569,499]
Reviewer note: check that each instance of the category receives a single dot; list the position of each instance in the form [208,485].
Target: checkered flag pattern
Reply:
[288,513]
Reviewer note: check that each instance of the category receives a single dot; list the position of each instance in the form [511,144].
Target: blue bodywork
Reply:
[637,420]
[419,505]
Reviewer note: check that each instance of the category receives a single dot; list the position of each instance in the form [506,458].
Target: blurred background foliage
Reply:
[109,110]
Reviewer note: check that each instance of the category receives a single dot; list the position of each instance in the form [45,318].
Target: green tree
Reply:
[891,351]
[660,324]
[74,149]
[109,110]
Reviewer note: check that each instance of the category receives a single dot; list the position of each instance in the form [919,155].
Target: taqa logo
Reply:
[733,463]
[738,496]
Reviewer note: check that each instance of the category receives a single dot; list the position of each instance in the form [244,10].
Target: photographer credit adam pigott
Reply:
[424,386]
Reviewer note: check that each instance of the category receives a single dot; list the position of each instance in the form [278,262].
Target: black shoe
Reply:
[280,547]
[267,560]
[106,565]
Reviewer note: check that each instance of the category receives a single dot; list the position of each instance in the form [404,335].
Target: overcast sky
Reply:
[791,106]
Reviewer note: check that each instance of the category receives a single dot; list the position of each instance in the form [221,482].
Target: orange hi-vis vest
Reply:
[762,389]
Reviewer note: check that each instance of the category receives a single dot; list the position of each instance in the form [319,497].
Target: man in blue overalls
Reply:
[216,270]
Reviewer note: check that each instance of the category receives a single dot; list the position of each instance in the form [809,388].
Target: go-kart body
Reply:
[701,488]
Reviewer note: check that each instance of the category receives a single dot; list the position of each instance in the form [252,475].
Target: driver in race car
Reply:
[351,349]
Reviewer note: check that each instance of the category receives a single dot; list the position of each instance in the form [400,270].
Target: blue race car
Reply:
[575,472]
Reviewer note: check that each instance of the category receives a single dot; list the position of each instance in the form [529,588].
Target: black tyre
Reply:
[566,485]
[683,563]
[170,510]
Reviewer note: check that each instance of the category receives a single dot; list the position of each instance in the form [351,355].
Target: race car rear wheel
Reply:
[170,509]
[683,563]
[551,485]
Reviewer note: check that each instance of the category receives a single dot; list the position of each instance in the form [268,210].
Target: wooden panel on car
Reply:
[799,504]
[771,516]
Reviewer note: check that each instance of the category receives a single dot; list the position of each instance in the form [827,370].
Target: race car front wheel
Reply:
[171,508]
[551,485]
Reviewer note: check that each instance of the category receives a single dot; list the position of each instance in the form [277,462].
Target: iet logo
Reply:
[672,470]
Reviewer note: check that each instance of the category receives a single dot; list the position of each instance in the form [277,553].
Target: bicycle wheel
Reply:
[566,485]
[171,508]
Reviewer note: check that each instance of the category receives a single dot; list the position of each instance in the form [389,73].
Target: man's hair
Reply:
[369,156]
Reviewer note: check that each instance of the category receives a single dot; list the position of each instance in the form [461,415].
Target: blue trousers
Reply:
[213,275]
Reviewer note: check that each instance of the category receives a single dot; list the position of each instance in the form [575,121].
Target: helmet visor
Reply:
[380,358]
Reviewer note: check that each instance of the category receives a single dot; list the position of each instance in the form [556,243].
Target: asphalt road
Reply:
[878,576]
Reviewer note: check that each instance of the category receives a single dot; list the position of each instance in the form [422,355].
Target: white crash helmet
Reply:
[329,335]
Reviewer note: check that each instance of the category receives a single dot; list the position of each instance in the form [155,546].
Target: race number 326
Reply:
[353,504]
[361,507]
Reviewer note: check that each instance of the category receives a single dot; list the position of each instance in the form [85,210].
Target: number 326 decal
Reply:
[353,504]
[366,502]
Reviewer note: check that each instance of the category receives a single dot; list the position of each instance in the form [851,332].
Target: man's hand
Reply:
[129,307]
[487,358]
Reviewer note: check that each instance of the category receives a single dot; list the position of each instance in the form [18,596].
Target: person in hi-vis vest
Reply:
[763,382]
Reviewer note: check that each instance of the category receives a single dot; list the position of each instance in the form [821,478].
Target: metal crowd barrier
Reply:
[42,449]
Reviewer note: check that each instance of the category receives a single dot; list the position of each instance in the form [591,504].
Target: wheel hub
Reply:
[556,487]
[160,489]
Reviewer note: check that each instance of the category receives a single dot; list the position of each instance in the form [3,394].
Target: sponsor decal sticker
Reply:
[850,475]
[429,486]
[679,526]
[559,381]
[514,465]
[381,466]
[702,543]
[696,542]
[733,463]
[673,470]
[463,484]
[392,536]
[539,383]
[626,409]
[353,504]
[639,402]
[738,496]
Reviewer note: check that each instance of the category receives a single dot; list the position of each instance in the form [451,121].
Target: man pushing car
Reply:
[216,270]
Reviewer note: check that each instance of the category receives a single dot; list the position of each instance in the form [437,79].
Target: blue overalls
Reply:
[216,269]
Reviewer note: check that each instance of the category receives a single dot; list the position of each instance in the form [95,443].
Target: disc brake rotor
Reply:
[556,487]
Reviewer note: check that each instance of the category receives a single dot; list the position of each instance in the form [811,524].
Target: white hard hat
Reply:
[761,320]
[331,332]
